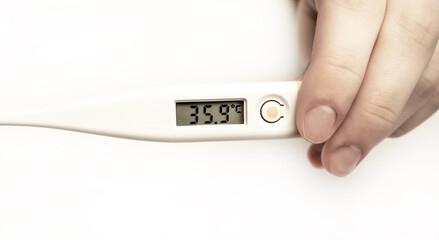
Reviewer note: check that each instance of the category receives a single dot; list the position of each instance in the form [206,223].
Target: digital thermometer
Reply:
[186,113]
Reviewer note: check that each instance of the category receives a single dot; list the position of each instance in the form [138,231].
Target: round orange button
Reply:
[272,112]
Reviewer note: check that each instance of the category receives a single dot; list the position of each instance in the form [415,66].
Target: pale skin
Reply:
[372,73]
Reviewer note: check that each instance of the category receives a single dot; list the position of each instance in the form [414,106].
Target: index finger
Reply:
[346,32]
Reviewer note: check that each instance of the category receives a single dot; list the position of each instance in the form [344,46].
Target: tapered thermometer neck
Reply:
[205,112]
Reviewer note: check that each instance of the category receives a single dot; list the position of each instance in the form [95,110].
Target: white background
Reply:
[63,185]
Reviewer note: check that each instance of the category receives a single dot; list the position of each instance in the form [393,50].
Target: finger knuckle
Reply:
[420,26]
[379,115]
[342,69]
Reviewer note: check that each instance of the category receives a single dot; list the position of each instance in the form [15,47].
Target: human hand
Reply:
[373,72]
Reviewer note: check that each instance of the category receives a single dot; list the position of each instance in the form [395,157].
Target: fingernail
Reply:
[318,124]
[344,160]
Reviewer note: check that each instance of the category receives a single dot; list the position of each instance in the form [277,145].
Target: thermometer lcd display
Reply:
[210,113]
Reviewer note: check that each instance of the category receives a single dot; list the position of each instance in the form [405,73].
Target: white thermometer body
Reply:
[184,113]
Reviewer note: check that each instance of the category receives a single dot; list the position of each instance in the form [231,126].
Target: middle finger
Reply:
[402,52]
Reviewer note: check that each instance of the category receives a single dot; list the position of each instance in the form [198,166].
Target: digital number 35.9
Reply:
[223,113]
